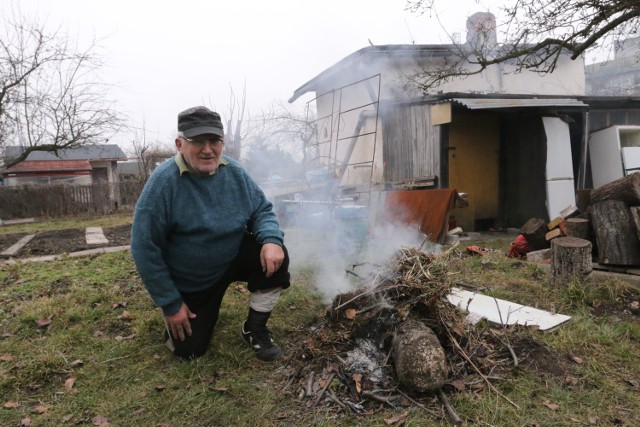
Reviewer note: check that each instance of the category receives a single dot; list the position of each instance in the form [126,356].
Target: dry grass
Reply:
[80,340]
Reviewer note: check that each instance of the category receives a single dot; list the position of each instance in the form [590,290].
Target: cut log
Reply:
[419,358]
[534,231]
[625,189]
[615,233]
[579,228]
[635,215]
[571,259]
[553,234]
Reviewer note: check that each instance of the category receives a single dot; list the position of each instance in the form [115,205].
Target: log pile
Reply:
[607,231]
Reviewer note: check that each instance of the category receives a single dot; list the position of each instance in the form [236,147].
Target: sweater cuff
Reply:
[173,308]
[275,240]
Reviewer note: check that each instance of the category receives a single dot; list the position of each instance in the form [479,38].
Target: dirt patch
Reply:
[68,240]
[625,307]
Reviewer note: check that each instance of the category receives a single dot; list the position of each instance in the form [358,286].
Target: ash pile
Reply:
[397,342]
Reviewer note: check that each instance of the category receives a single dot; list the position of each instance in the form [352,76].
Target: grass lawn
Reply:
[80,344]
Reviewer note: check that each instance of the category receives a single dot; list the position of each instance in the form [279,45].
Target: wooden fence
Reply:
[68,200]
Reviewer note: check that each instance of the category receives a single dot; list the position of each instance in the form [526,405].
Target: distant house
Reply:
[94,165]
[89,164]
[514,142]
[619,76]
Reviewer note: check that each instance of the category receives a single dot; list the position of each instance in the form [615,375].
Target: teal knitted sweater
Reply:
[187,228]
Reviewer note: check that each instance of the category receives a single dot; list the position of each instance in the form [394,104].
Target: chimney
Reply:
[481,31]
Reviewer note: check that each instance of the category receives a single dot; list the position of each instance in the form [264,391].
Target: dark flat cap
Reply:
[200,121]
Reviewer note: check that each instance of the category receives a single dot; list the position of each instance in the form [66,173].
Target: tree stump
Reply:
[615,233]
[625,189]
[534,231]
[635,215]
[419,358]
[579,228]
[571,258]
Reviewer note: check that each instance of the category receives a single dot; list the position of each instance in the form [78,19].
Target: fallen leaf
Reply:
[120,304]
[77,362]
[11,405]
[282,416]
[458,385]
[125,315]
[98,334]
[160,387]
[576,359]
[69,382]
[593,420]
[357,378]
[634,305]
[128,337]
[43,323]
[25,421]
[6,358]
[100,421]
[552,406]
[138,412]
[398,419]
[40,409]
[632,383]
[350,313]
[67,418]
[221,389]
[596,303]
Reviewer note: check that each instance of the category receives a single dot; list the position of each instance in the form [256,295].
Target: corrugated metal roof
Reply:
[85,152]
[50,166]
[500,103]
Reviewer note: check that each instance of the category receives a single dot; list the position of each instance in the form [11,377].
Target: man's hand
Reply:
[271,257]
[178,323]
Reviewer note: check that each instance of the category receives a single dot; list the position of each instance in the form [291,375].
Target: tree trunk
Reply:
[615,233]
[571,258]
[625,189]
[635,215]
[579,228]
[534,231]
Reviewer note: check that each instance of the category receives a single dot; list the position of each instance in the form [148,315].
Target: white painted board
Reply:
[504,312]
[560,194]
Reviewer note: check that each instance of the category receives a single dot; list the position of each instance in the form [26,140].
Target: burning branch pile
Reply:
[395,336]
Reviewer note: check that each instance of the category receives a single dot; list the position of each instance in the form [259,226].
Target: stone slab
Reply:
[95,236]
[13,249]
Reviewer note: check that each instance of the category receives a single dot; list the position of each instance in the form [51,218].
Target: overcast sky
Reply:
[165,56]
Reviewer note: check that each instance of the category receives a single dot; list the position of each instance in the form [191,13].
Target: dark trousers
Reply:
[205,304]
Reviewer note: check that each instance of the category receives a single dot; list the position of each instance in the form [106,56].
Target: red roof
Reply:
[49,166]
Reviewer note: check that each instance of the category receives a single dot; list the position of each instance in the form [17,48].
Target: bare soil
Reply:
[68,240]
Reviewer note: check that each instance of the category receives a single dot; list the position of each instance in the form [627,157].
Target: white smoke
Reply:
[342,253]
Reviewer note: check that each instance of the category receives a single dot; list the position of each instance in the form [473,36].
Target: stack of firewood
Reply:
[610,223]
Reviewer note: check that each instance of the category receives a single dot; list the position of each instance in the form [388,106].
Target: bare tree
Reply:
[149,153]
[536,34]
[278,139]
[50,94]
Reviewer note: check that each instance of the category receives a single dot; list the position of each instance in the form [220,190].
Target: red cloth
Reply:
[428,209]
[519,247]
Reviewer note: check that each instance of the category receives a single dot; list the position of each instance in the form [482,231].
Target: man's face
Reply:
[202,153]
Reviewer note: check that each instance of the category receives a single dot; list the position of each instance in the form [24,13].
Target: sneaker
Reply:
[262,344]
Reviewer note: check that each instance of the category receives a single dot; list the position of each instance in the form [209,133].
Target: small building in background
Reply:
[619,76]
